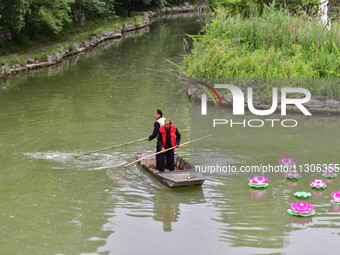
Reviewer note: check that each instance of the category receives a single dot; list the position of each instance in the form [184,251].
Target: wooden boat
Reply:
[183,175]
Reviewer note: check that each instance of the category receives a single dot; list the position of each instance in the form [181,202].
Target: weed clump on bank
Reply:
[275,44]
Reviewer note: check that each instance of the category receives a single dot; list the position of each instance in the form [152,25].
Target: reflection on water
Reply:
[167,204]
[301,221]
[166,210]
[258,193]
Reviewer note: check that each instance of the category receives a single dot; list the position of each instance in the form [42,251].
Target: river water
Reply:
[54,204]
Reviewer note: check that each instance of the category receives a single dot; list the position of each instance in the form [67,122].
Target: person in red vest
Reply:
[168,137]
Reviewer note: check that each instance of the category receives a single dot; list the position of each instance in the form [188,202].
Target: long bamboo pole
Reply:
[119,145]
[166,150]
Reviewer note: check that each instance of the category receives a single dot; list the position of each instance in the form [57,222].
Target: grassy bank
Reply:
[40,48]
[92,26]
[276,44]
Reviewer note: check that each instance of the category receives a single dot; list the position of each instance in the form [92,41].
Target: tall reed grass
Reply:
[275,44]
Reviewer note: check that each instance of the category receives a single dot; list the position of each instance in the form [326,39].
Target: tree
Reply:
[50,15]
[13,14]
[97,8]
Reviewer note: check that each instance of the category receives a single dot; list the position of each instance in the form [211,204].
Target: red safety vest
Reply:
[172,135]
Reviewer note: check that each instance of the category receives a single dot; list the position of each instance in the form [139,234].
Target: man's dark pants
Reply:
[169,155]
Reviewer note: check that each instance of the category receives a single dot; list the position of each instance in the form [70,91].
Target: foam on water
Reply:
[95,161]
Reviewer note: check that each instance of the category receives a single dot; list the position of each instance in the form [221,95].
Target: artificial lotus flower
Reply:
[301,207]
[303,194]
[318,183]
[287,161]
[329,174]
[258,179]
[293,175]
[336,196]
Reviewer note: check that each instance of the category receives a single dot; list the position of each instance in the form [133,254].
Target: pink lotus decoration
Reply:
[336,196]
[302,207]
[318,184]
[287,161]
[330,174]
[258,181]
[293,175]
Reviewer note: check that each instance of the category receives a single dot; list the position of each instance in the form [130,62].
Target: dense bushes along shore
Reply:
[277,43]
[54,54]
[25,23]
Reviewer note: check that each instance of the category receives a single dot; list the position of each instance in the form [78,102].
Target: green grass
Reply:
[275,44]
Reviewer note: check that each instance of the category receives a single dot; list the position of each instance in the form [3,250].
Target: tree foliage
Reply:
[97,8]
[31,18]
[51,15]
[13,14]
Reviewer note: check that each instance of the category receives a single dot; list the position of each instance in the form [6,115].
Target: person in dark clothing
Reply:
[168,137]
[158,115]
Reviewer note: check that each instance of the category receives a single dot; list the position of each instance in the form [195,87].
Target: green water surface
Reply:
[51,203]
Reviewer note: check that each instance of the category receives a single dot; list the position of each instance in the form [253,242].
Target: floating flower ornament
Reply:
[301,208]
[330,174]
[287,163]
[293,175]
[336,197]
[303,194]
[318,184]
[258,181]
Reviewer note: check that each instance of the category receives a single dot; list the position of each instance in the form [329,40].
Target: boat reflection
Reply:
[167,204]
